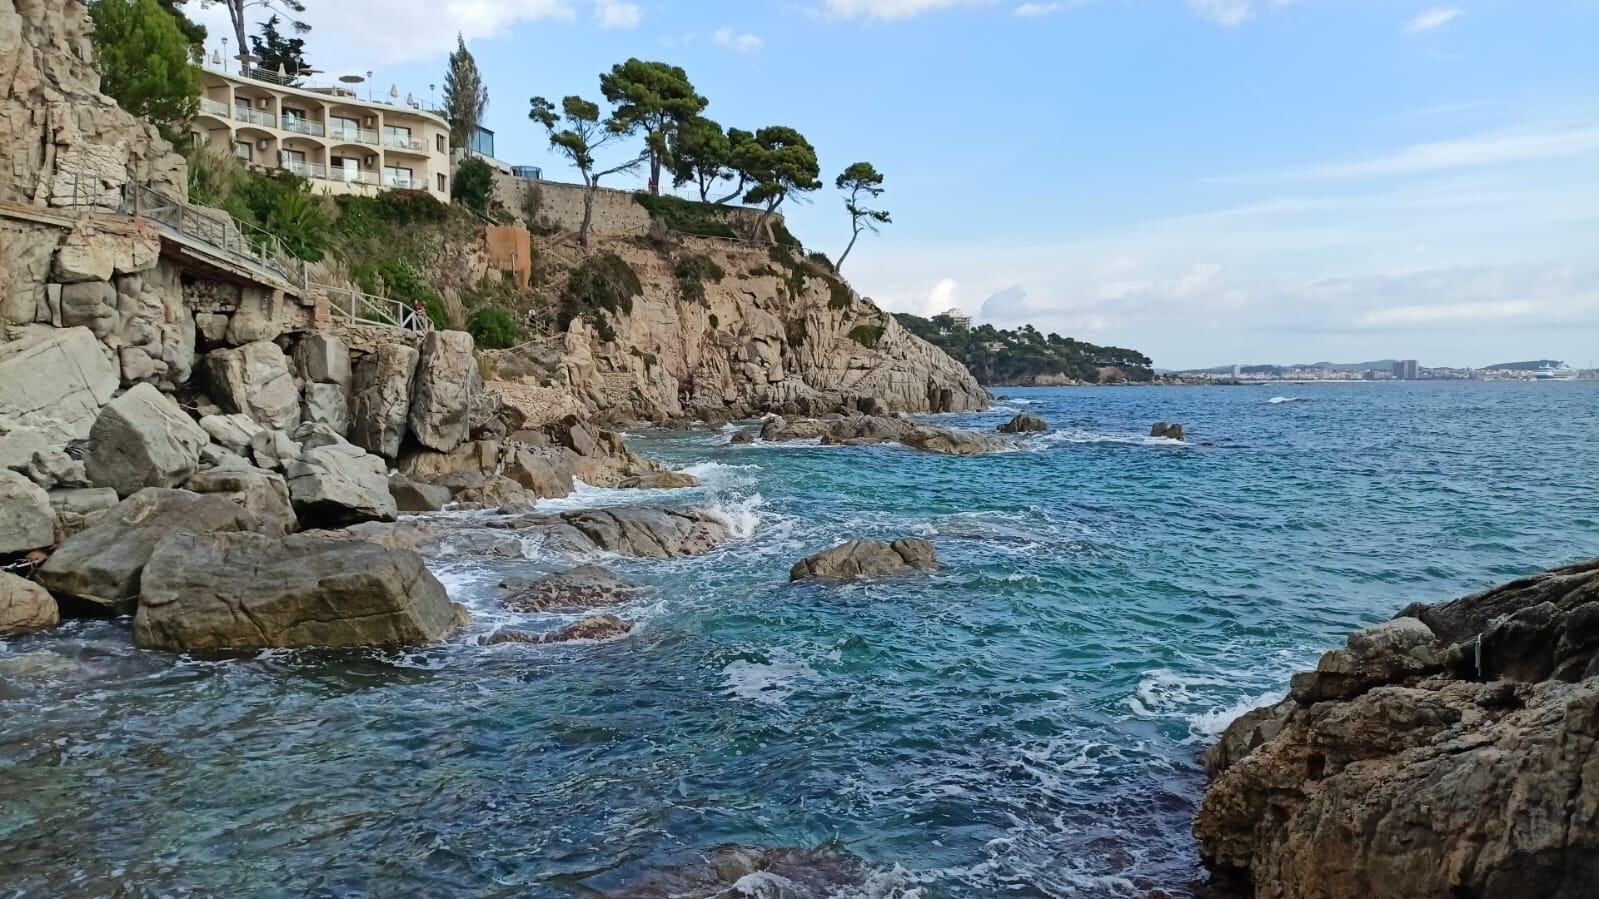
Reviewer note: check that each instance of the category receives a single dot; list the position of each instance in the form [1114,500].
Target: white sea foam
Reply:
[744,514]
[765,682]
[1213,722]
[1280,400]
[1073,436]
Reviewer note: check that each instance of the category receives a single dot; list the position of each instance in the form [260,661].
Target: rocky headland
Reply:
[1452,751]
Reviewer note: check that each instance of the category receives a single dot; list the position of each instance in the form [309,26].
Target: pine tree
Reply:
[144,63]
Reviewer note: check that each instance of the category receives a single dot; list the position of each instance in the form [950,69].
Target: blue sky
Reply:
[1209,181]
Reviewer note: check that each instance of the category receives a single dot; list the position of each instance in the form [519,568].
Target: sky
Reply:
[1208,181]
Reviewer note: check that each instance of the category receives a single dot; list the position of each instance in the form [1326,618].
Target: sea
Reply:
[1026,722]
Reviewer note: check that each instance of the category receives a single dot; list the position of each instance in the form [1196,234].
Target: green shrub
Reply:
[692,272]
[839,294]
[604,283]
[687,216]
[474,185]
[795,333]
[397,279]
[300,223]
[495,328]
[867,335]
[781,232]
[820,258]
[368,216]
[715,323]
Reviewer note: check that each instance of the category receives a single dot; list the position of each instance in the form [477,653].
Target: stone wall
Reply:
[616,212]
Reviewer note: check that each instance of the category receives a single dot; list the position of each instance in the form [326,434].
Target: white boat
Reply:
[1555,373]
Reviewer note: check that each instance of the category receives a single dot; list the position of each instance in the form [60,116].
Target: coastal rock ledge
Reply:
[1452,751]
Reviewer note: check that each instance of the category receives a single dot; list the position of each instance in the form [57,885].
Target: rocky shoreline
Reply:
[1451,751]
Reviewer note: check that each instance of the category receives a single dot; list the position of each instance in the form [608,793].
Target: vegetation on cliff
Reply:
[145,63]
[999,356]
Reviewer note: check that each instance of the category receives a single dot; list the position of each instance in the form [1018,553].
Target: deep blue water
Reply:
[1025,723]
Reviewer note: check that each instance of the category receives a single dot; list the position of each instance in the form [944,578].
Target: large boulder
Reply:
[951,441]
[326,404]
[26,521]
[380,402]
[323,359]
[1373,777]
[639,532]
[546,472]
[334,486]
[234,432]
[56,382]
[1024,424]
[102,565]
[446,380]
[143,439]
[263,492]
[660,480]
[245,592]
[77,509]
[1167,430]
[25,607]
[416,496]
[254,379]
[778,429]
[583,587]
[863,430]
[858,559]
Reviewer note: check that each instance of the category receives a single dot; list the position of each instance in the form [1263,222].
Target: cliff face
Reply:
[1453,751]
[62,142]
[773,334]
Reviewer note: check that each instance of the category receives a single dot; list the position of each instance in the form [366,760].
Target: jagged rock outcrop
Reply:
[25,607]
[640,532]
[143,439]
[951,441]
[102,565]
[1168,430]
[1024,424]
[863,430]
[446,381]
[380,405]
[857,559]
[241,592]
[593,627]
[1452,751]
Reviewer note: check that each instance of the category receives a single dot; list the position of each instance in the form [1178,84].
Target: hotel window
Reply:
[243,150]
[344,128]
[395,176]
[396,136]
[442,185]
[292,117]
[438,142]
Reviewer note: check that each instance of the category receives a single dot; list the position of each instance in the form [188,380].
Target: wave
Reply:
[1280,400]
[769,683]
[744,514]
[1072,436]
[1213,722]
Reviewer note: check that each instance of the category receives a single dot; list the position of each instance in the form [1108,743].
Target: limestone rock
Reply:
[1373,780]
[143,439]
[56,382]
[231,431]
[53,468]
[323,359]
[326,404]
[594,627]
[639,532]
[330,488]
[446,380]
[79,508]
[583,587]
[858,559]
[264,493]
[26,521]
[243,592]
[1168,430]
[660,480]
[1024,424]
[951,441]
[415,496]
[102,565]
[380,404]
[273,450]
[18,446]
[25,607]
[254,380]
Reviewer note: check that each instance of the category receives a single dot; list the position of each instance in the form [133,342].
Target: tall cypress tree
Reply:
[465,96]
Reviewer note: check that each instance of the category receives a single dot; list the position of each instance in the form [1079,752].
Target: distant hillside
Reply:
[1525,366]
[1271,369]
[1023,356]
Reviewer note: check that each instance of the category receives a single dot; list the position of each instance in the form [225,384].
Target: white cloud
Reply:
[1437,17]
[1029,10]
[1227,13]
[1451,313]
[358,34]
[891,9]
[617,14]
[741,41]
[1493,148]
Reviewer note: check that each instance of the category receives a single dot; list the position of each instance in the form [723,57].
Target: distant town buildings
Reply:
[959,318]
[1407,370]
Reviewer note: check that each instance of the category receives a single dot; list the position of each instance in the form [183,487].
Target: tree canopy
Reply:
[999,356]
[274,52]
[655,98]
[237,10]
[145,63]
[861,182]
[700,153]
[465,96]
[193,31]
[779,163]
[578,132]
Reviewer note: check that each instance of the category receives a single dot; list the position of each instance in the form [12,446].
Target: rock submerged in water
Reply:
[660,480]
[1168,430]
[640,532]
[242,592]
[859,559]
[1400,768]
[594,627]
[1024,424]
[951,441]
[585,586]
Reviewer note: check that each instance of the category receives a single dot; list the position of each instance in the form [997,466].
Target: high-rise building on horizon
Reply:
[1407,370]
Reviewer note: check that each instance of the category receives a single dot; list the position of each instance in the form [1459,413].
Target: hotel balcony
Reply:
[358,135]
[255,117]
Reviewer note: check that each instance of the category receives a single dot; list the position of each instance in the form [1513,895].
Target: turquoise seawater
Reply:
[1027,722]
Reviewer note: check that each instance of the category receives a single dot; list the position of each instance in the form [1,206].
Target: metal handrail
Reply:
[405,143]
[364,308]
[358,135]
[255,117]
[215,228]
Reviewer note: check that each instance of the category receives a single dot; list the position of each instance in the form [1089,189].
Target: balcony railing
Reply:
[304,169]
[405,143]
[216,108]
[303,126]
[400,182]
[352,176]
[255,116]
[345,132]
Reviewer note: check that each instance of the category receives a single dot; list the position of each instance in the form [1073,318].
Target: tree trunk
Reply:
[236,13]
[588,217]
[736,192]
[839,265]
[655,172]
